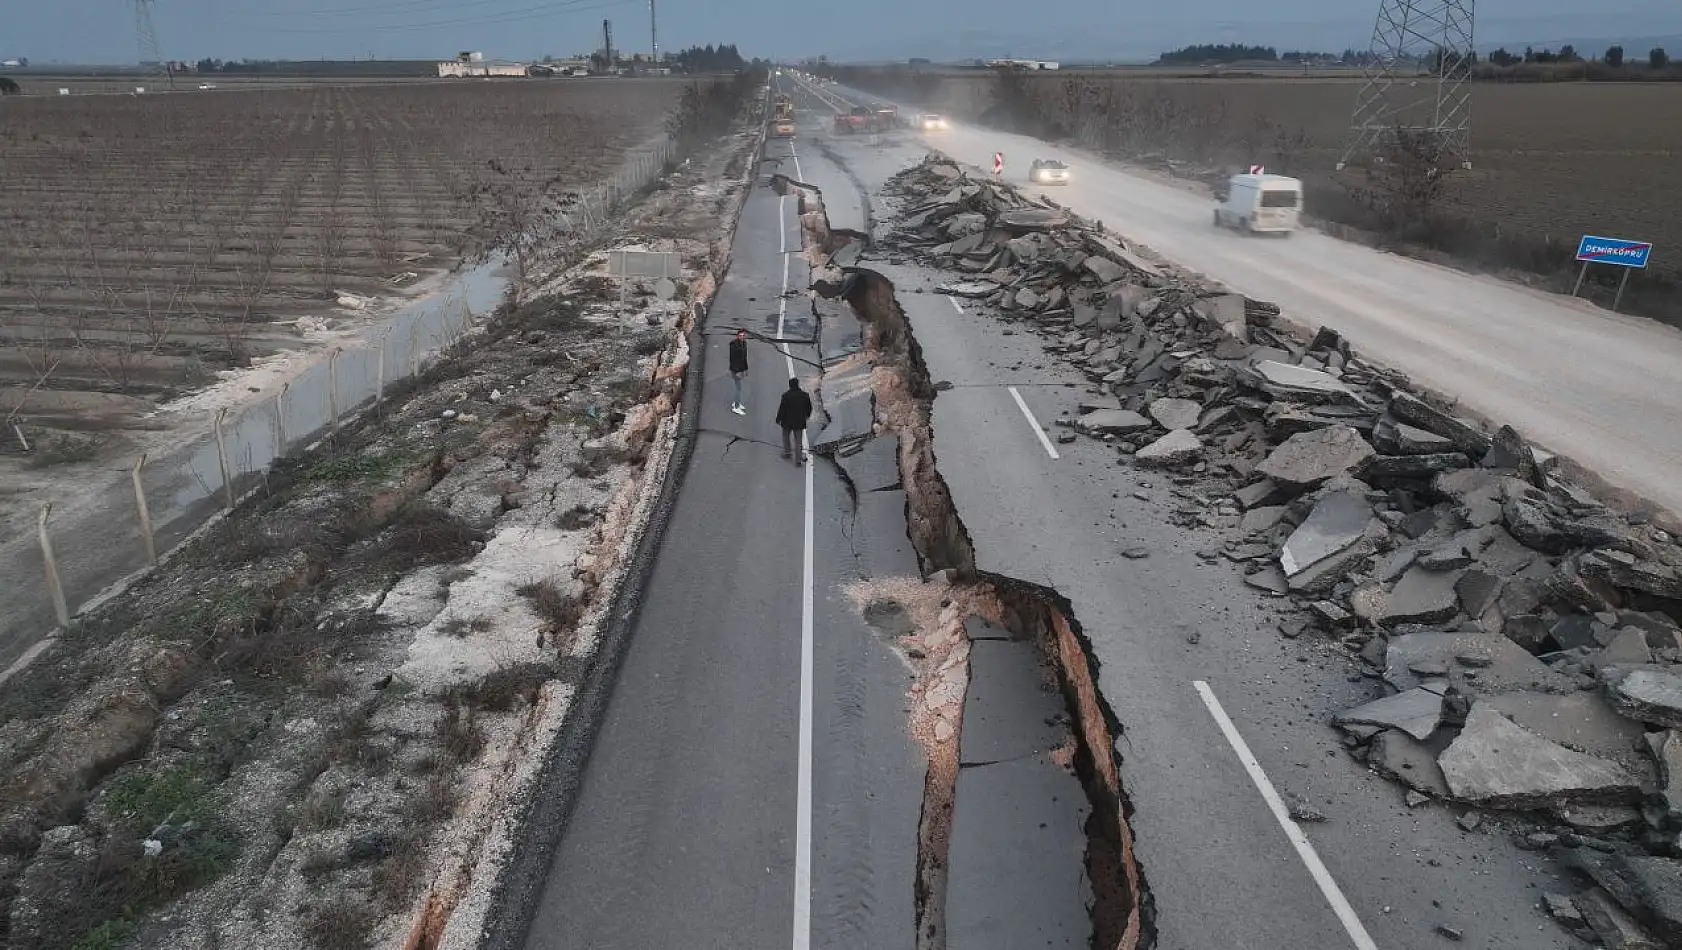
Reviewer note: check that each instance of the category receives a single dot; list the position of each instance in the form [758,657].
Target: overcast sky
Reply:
[103,30]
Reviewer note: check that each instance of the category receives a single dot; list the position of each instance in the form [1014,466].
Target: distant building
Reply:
[478,68]
[1022,64]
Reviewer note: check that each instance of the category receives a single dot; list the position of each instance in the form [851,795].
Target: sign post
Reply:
[1615,252]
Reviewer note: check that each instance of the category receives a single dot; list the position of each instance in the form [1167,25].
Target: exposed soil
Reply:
[304,728]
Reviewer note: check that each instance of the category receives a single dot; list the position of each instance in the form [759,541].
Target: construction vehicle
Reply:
[782,107]
[884,118]
[858,119]
[783,128]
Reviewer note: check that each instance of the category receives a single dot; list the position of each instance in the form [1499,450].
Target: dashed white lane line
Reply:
[1021,403]
[1033,423]
[1305,849]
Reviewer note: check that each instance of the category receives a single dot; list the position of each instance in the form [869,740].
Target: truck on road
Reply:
[782,107]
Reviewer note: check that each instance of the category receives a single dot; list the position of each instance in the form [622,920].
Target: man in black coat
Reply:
[792,413]
[739,369]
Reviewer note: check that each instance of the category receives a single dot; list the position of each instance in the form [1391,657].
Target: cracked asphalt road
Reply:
[685,832]
[1217,861]
[1584,382]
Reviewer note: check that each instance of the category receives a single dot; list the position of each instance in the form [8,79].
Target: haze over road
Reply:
[1596,387]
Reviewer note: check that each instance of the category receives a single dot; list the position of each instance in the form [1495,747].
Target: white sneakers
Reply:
[739,409]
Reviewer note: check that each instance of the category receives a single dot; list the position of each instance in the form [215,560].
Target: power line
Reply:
[509,16]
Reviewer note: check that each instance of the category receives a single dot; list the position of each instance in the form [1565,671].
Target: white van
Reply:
[1258,204]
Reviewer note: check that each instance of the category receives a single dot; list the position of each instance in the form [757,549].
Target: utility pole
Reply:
[607,46]
[653,34]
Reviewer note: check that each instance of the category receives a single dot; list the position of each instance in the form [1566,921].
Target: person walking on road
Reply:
[792,413]
[739,369]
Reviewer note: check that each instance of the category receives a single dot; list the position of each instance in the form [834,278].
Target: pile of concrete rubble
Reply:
[1525,630]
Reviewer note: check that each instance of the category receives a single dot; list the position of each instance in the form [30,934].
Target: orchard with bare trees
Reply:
[148,241]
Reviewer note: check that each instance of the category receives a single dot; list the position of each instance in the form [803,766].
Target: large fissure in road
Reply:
[903,395]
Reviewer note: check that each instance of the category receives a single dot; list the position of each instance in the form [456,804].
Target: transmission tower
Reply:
[1418,79]
[144,35]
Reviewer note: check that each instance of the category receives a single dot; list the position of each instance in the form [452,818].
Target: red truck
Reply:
[856,120]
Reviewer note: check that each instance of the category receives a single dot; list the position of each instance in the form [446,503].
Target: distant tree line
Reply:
[1567,64]
[708,59]
[1226,53]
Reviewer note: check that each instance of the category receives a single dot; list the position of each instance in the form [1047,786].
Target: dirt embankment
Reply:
[304,729]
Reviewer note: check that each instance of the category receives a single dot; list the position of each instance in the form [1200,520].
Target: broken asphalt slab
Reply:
[1496,763]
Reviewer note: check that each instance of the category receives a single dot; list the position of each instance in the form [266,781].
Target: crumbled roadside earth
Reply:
[302,729]
[1525,634]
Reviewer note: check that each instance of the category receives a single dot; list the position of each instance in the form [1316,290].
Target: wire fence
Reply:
[151,504]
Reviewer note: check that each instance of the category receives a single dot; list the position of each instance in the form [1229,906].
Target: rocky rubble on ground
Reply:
[1525,633]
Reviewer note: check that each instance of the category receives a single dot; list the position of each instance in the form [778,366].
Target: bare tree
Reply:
[1407,178]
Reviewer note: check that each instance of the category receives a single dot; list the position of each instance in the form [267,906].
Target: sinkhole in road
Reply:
[902,397]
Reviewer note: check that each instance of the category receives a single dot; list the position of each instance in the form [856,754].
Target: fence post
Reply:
[333,388]
[414,353]
[222,461]
[55,587]
[379,371]
[145,511]
[280,420]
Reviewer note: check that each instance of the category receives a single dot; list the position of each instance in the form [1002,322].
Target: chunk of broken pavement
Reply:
[1399,438]
[1106,270]
[1337,523]
[1177,446]
[1526,512]
[1616,929]
[1496,763]
[967,288]
[1400,756]
[1413,410]
[1032,219]
[1308,460]
[1649,695]
[1510,454]
[1666,747]
[1475,492]
[1176,413]
[1647,888]
[1299,384]
[1415,712]
[1422,596]
[1415,655]
[1227,312]
[1118,421]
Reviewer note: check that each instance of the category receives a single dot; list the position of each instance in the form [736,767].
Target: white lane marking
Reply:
[782,233]
[802,938]
[1035,423]
[1305,849]
[955,304]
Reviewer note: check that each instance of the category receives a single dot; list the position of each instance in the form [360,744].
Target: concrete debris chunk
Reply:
[1511,668]
[1580,721]
[1390,468]
[967,288]
[1176,413]
[1415,712]
[1338,522]
[1226,311]
[1106,270]
[1496,763]
[1257,494]
[1175,447]
[1666,747]
[1422,596]
[1616,929]
[1510,454]
[1477,493]
[1116,421]
[1399,438]
[1032,219]
[1413,410]
[1650,695]
[1258,520]
[1094,403]
[1648,888]
[1308,460]
[1296,383]
[1526,513]
[1399,756]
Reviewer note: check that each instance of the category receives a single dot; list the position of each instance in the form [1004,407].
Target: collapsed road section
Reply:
[1198,431]
[1020,779]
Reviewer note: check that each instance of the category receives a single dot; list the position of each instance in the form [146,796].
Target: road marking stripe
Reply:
[955,304]
[1305,849]
[802,939]
[1035,423]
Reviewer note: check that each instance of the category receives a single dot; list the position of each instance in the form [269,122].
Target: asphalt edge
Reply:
[543,819]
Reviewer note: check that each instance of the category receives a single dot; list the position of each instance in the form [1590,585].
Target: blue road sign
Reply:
[1615,251]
